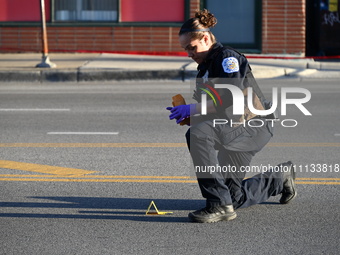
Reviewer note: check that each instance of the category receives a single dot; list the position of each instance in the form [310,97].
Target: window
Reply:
[239,23]
[86,10]
[78,11]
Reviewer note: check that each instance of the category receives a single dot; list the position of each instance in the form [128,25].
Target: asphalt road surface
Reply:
[81,163]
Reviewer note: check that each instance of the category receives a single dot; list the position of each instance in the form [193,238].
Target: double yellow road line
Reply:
[62,174]
[47,173]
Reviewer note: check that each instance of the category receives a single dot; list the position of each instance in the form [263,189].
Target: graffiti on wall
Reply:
[331,18]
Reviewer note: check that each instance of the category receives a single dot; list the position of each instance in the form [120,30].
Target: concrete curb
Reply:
[79,75]
[30,76]
[38,76]
[107,75]
[85,75]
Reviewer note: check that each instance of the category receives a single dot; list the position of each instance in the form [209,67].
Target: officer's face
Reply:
[196,49]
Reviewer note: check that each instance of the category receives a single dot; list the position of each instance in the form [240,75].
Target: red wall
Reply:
[168,11]
[23,10]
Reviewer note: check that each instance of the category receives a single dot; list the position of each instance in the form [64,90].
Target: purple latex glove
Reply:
[180,112]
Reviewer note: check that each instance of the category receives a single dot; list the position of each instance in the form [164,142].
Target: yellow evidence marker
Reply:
[156,212]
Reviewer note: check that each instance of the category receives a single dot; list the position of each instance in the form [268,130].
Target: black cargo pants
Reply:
[236,146]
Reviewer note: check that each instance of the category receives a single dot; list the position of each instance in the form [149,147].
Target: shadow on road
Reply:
[99,208]
[132,209]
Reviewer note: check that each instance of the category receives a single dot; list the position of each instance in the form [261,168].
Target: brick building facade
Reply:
[274,27]
[283,26]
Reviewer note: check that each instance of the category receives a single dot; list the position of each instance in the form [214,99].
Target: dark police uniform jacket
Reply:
[225,65]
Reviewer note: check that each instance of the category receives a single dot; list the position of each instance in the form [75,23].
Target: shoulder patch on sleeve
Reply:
[230,65]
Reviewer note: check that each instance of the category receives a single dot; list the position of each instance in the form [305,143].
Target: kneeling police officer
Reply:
[231,145]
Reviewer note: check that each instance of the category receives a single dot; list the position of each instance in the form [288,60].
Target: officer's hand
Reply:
[179,113]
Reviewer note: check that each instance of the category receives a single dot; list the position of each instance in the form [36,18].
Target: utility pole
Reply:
[46,63]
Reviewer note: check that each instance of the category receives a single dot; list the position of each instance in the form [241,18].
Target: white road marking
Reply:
[83,133]
[33,110]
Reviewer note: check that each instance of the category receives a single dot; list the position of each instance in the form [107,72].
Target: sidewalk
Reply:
[78,67]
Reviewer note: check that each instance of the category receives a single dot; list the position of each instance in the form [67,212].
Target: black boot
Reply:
[289,190]
[213,214]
